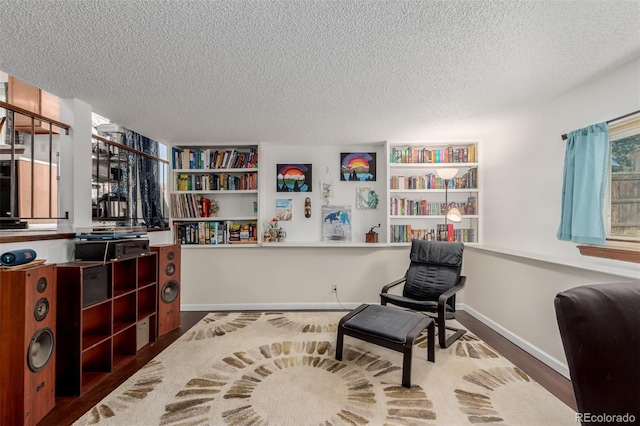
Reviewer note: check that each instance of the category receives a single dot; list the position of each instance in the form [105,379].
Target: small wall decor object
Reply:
[284,208]
[213,209]
[366,198]
[336,223]
[372,236]
[326,187]
[307,207]
[293,177]
[358,166]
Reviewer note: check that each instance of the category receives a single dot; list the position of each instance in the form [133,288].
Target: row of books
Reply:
[194,158]
[418,155]
[442,232]
[215,232]
[186,205]
[408,207]
[216,182]
[431,181]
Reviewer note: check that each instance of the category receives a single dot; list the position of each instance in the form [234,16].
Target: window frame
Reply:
[31,221]
[621,248]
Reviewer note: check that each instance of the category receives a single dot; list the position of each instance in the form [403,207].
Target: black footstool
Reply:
[388,327]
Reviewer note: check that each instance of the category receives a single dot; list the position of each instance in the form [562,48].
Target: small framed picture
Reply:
[284,208]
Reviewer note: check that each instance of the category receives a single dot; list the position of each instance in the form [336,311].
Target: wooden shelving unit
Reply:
[100,307]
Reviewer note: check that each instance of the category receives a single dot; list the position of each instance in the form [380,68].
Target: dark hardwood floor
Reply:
[69,409]
[550,379]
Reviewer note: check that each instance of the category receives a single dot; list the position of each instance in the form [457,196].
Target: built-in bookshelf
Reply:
[214,195]
[419,198]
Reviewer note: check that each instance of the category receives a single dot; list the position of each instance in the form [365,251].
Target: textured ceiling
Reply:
[321,72]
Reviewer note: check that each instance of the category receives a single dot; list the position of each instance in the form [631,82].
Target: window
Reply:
[29,172]
[622,198]
[29,156]
[129,174]
[623,206]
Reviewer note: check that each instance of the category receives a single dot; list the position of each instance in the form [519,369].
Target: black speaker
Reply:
[40,349]
[17,257]
[170,291]
[169,288]
[27,352]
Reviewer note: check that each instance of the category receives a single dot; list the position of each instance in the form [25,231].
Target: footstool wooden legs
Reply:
[389,327]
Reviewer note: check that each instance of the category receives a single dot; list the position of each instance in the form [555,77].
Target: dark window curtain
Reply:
[148,181]
[585,176]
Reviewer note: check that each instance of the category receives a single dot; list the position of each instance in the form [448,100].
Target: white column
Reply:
[75,165]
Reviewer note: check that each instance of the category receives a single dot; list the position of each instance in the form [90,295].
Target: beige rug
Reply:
[266,368]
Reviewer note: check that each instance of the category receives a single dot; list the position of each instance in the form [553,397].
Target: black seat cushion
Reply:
[381,321]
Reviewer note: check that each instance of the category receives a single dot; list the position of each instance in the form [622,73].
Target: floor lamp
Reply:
[451,214]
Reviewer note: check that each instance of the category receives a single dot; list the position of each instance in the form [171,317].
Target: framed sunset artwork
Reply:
[293,177]
[358,166]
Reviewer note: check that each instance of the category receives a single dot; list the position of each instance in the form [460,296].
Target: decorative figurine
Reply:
[307,207]
[372,236]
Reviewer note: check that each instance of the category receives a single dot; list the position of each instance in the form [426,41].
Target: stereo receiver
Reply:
[111,249]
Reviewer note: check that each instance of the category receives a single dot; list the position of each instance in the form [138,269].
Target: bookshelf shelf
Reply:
[222,176]
[431,165]
[218,191]
[418,200]
[451,191]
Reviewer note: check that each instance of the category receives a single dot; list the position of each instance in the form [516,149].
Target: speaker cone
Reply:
[40,349]
[171,255]
[41,286]
[170,269]
[170,291]
[41,309]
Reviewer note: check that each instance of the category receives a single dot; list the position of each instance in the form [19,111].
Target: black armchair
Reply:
[431,284]
[600,329]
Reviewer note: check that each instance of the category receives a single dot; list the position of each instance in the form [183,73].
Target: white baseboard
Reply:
[523,344]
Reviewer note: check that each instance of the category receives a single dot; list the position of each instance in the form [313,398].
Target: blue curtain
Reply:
[147,181]
[585,174]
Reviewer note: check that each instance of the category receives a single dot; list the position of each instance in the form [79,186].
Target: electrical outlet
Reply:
[334,288]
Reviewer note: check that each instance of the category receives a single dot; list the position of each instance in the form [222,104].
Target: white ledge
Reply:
[606,269]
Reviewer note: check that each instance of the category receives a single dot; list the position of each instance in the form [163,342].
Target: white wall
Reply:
[302,229]
[523,165]
[513,292]
[281,277]
[511,285]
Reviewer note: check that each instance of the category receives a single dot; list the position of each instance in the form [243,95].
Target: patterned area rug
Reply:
[267,368]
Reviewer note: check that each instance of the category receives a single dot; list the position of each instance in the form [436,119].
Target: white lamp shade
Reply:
[447,173]
[454,215]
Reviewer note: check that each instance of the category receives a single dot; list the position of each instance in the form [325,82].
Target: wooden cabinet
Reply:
[101,307]
[35,176]
[43,182]
[35,100]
